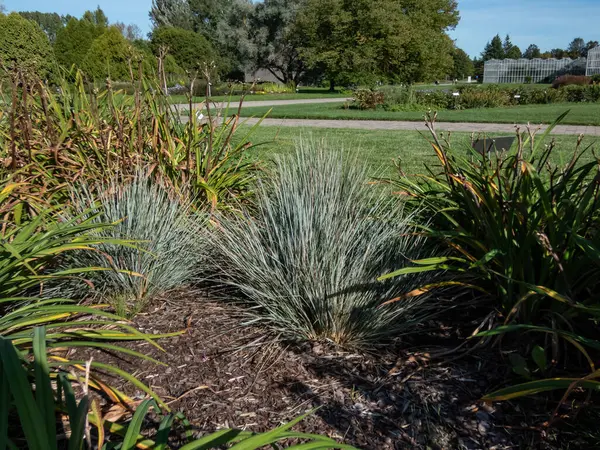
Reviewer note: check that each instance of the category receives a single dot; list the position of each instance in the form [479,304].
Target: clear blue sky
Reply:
[547,23]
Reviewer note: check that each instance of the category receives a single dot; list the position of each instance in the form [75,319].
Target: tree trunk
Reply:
[331,85]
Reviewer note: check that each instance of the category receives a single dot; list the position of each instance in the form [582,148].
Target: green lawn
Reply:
[377,149]
[581,113]
[302,94]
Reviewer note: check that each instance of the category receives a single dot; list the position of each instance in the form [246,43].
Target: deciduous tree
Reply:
[364,41]
[576,48]
[277,40]
[590,45]
[532,52]
[131,31]
[463,65]
[225,23]
[171,13]
[514,53]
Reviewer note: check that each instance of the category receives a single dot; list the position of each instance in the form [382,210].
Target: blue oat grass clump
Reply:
[306,259]
[165,253]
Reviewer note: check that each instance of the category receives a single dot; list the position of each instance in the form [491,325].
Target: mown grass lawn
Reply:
[379,149]
[581,113]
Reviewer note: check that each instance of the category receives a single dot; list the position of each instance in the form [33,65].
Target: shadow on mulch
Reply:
[221,374]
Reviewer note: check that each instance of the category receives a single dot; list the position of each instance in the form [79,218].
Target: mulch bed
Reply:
[222,374]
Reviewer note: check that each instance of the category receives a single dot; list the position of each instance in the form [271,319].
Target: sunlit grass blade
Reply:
[44,394]
[30,417]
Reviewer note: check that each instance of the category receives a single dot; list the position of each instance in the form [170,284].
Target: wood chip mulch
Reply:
[222,374]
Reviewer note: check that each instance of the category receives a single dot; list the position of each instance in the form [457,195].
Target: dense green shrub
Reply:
[273,88]
[74,40]
[166,253]
[398,97]
[579,94]
[109,57]
[24,46]
[307,259]
[434,99]
[192,51]
[539,96]
[487,97]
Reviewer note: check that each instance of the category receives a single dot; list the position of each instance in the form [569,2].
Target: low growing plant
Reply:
[368,99]
[306,259]
[45,392]
[167,251]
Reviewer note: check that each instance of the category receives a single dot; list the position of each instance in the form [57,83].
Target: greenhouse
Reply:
[533,70]
[593,62]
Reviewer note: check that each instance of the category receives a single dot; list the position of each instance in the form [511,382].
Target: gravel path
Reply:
[411,126]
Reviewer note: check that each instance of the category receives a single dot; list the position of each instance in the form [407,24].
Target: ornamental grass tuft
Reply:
[305,260]
[165,252]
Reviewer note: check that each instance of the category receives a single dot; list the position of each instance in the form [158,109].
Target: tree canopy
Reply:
[109,56]
[590,45]
[364,41]
[511,51]
[463,65]
[24,46]
[225,23]
[576,48]
[498,49]
[131,32]
[97,17]
[276,39]
[532,52]
[74,40]
[171,13]
[50,23]
[190,50]
[493,49]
